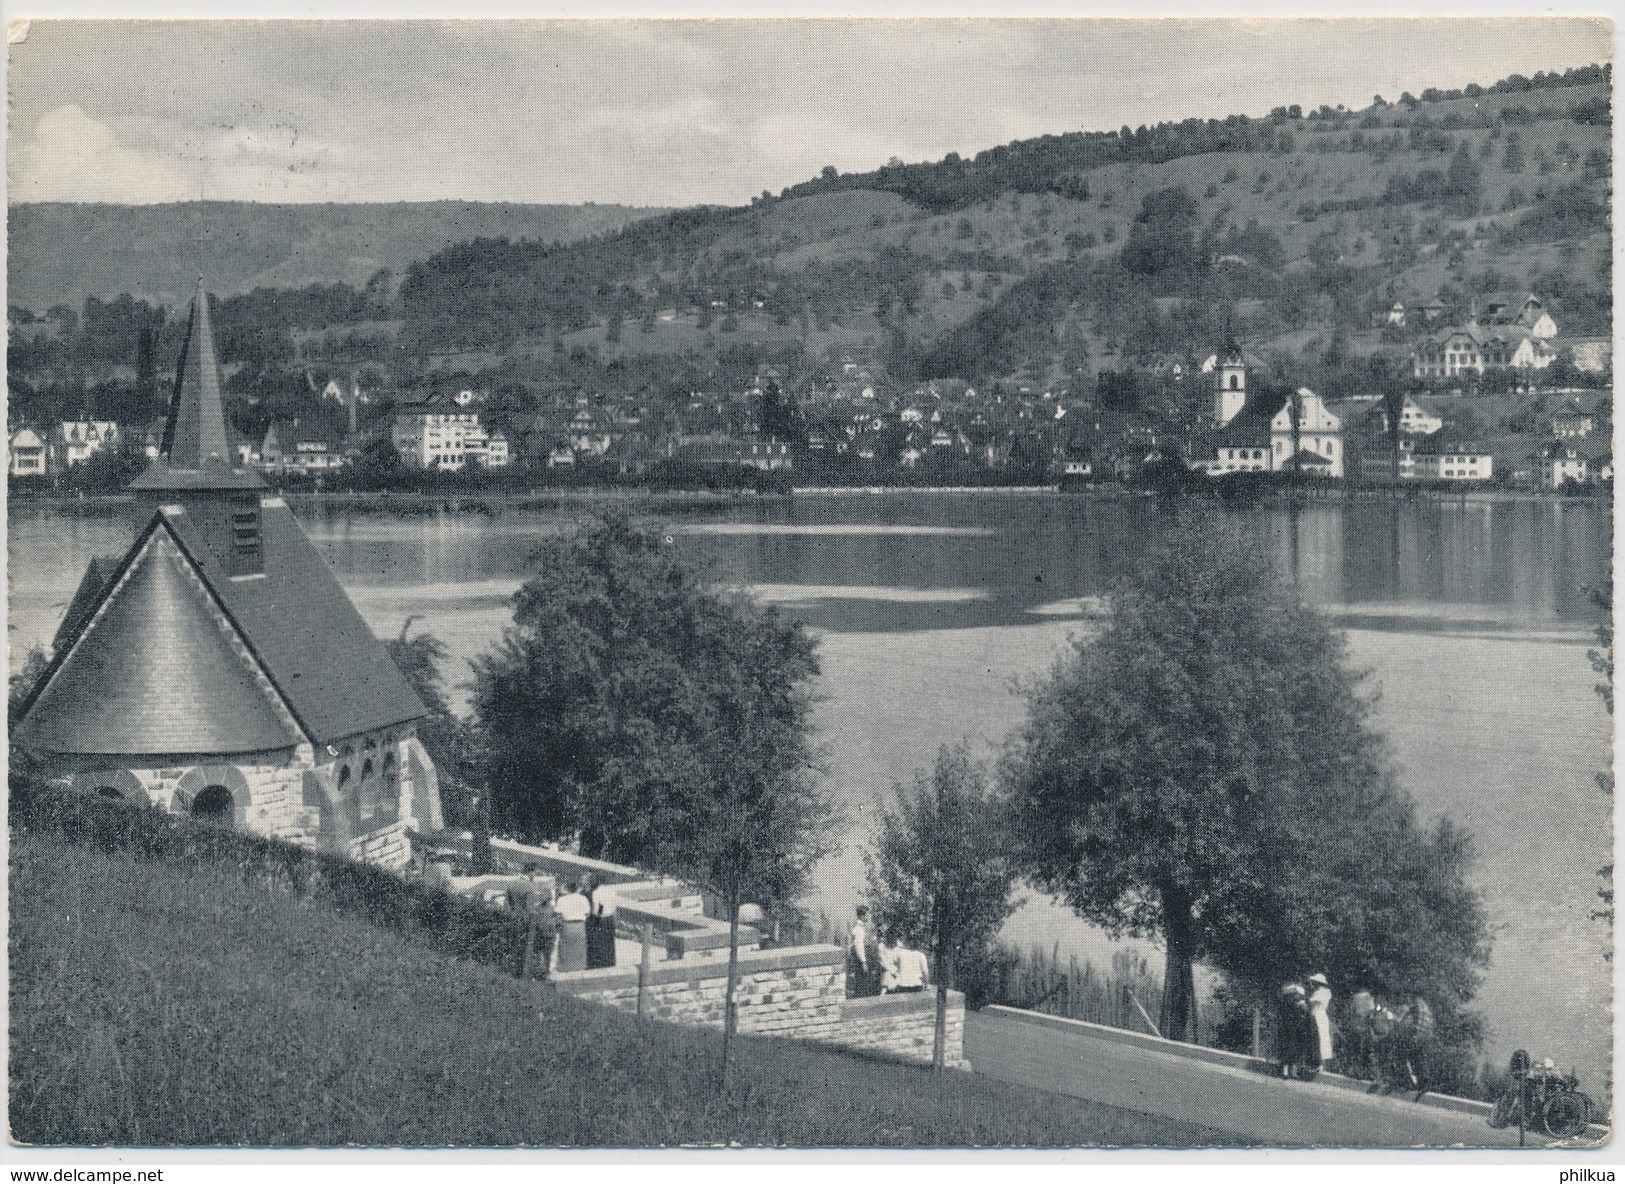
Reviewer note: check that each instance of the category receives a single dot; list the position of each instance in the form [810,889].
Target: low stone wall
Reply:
[798,993]
[795,992]
[904,1026]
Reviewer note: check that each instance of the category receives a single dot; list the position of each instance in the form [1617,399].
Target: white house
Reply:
[1318,433]
[1442,457]
[1560,462]
[27,453]
[77,441]
[437,435]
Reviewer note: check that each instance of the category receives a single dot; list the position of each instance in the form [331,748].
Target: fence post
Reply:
[1258,1044]
[643,968]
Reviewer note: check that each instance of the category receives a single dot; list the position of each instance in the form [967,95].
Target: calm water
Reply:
[930,606]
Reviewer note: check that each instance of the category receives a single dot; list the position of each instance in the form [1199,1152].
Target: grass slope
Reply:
[158,1003]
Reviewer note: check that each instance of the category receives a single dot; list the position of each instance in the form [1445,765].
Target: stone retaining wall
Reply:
[795,992]
[798,993]
[904,1026]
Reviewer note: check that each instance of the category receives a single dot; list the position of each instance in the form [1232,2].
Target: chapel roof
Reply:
[153,672]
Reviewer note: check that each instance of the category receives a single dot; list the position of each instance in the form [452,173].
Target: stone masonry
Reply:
[798,993]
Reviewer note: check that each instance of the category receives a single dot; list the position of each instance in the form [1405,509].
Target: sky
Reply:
[664,113]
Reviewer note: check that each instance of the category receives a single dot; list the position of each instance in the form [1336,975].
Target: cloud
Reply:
[72,157]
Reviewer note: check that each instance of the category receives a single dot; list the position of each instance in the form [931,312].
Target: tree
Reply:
[941,872]
[1512,159]
[656,721]
[1205,772]
[1464,182]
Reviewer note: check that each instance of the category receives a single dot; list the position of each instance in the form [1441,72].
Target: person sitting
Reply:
[889,949]
[910,971]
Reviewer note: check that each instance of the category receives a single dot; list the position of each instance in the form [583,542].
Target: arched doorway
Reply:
[213,804]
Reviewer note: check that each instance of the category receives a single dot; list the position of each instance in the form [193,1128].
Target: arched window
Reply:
[366,768]
[213,804]
[107,791]
[344,776]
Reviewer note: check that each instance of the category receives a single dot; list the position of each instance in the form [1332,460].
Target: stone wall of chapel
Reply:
[301,795]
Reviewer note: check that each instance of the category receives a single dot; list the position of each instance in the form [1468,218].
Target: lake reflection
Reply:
[1472,617]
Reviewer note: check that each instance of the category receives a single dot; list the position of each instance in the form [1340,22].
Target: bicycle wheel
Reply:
[1505,1112]
[1566,1115]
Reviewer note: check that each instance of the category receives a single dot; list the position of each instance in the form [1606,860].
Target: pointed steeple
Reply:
[195,453]
[196,429]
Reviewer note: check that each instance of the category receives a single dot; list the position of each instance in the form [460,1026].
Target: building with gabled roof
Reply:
[218,669]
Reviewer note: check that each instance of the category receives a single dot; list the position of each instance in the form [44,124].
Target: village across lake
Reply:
[1472,618]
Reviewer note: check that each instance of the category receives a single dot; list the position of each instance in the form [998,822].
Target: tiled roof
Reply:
[1250,427]
[98,572]
[155,674]
[332,673]
[1444,443]
[335,674]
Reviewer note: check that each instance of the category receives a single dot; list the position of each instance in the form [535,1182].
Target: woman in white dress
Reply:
[1320,1020]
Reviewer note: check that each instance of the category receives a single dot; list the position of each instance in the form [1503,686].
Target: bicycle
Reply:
[1542,1099]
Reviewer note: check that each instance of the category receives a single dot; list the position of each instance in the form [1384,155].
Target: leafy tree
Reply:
[1162,237]
[941,872]
[1464,181]
[657,721]
[1205,772]
[1512,158]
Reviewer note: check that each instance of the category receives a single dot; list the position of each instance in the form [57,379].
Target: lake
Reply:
[930,606]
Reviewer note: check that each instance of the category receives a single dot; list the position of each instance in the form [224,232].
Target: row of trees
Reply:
[1204,773]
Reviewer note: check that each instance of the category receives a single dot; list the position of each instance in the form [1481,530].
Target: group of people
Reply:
[1383,1043]
[1390,1044]
[576,930]
[1303,1027]
[882,965]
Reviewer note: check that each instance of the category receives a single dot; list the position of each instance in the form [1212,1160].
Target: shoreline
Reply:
[493,501]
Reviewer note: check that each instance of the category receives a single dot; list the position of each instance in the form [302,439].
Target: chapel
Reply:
[218,669]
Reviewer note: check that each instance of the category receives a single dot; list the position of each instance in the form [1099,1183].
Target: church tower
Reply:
[1230,386]
[195,467]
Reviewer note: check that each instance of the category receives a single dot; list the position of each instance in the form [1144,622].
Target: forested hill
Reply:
[62,252]
[1067,254]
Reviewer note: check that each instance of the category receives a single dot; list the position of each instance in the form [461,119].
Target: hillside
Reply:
[1027,272]
[63,252]
[1297,228]
[166,1001]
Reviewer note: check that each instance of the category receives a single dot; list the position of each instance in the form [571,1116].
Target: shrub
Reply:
[425,916]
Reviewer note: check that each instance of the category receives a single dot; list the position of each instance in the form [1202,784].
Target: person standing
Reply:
[572,910]
[1320,1019]
[859,967]
[1291,1021]
[601,928]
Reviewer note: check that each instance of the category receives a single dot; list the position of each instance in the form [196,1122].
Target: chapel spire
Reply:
[195,453]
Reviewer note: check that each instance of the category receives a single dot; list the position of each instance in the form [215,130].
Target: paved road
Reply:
[1251,1104]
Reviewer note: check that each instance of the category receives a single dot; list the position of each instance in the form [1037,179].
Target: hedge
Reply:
[425,915]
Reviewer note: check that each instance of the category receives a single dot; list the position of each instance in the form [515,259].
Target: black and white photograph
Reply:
[959,583]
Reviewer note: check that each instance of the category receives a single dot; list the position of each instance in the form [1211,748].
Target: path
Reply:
[1271,1111]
